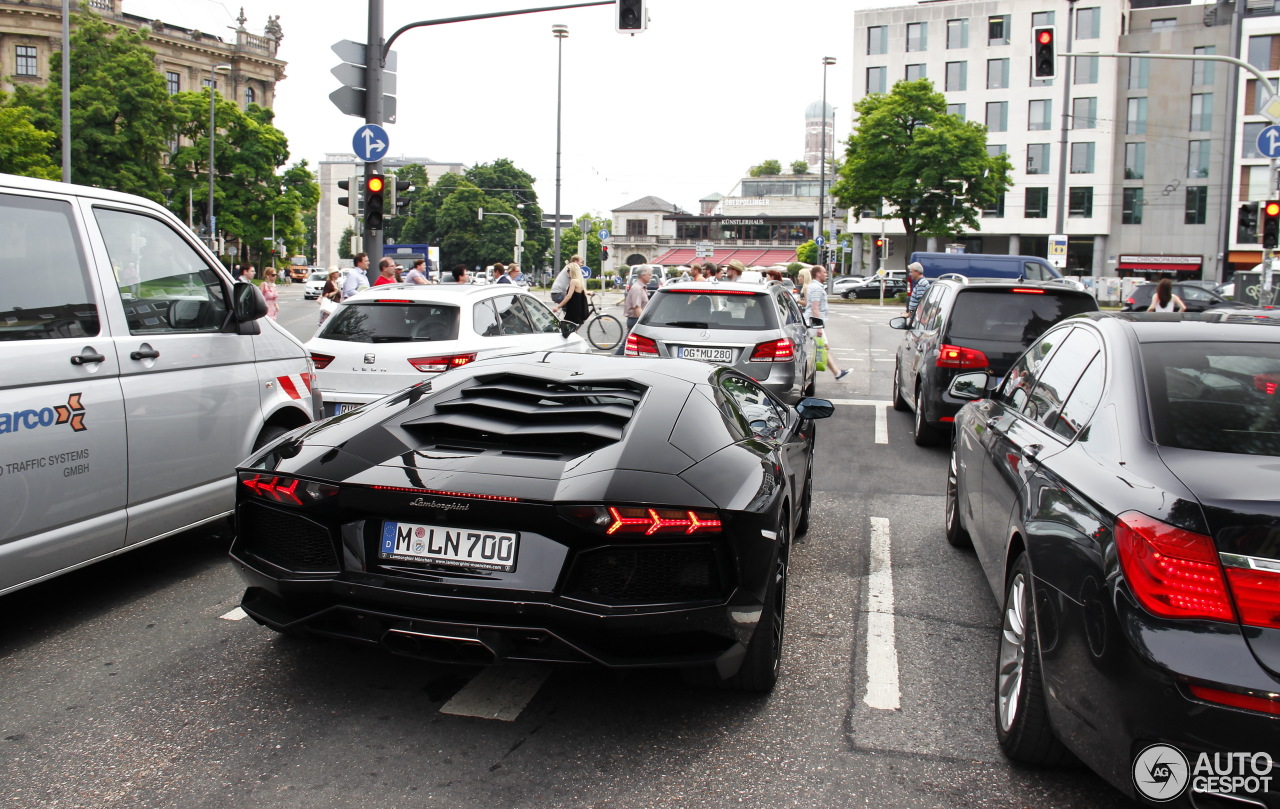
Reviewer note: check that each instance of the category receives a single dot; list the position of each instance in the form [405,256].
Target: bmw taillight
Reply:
[1256,592]
[960,357]
[1174,573]
[435,365]
[286,490]
[773,351]
[640,346]
[645,521]
[321,360]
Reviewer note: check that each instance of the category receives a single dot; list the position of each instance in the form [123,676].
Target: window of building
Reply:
[1202,112]
[1256,182]
[1082,158]
[997,74]
[956,109]
[877,39]
[1084,113]
[917,36]
[957,34]
[1135,161]
[1086,70]
[206,83]
[1249,134]
[26,60]
[1037,158]
[915,72]
[1131,207]
[1198,158]
[1088,23]
[250,97]
[1164,24]
[1080,202]
[1036,203]
[997,116]
[957,76]
[1202,72]
[1136,118]
[998,29]
[994,149]
[1255,95]
[1139,73]
[1262,53]
[637,227]
[173,82]
[877,79]
[1197,204]
[996,210]
[1039,111]
[1041,18]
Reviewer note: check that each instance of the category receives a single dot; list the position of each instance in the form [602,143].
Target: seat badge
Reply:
[369,359]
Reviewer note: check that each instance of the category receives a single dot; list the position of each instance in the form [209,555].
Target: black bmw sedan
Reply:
[546,507]
[1120,490]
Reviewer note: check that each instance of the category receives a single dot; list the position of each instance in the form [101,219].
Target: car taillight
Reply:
[641,346]
[1256,592]
[287,490]
[960,357]
[1129,301]
[435,365]
[1027,291]
[1174,573]
[773,351]
[644,521]
[321,360]
[1263,704]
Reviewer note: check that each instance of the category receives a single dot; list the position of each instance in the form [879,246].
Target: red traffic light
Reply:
[1272,209]
[374,184]
[1044,36]
[879,242]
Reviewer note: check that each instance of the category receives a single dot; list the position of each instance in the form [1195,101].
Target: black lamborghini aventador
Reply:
[550,507]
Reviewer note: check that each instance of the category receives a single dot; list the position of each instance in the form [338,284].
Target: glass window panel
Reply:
[1135,160]
[1084,113]
[915,72]
[957,76]
[1039,111]
[877,79]
[997,74]
[1080,202]
[40,244]
[1088,23]
[1139,73]
[1040,18]
[1197,205]
[1082,158]
[1202,72]
[1038,158]
[957,33]
[1036,202]
[956,109]
[998,29]
[1086,70]
[997,116]
[1202,112]
[877,39]
[1136,122]
[1198,158]
[917,36]
[1249,132]
[1131,211]
[1260,52]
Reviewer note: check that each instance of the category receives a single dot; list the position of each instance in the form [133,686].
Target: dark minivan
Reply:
[971,325]
[986,265]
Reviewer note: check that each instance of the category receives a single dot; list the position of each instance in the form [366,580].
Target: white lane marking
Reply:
[499,692]
[235,615]
[882,415]
[882,646]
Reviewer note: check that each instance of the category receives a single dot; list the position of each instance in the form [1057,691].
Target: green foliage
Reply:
[502,181]
[808,252]
[394,227]
[767,168]
[570,237]
[799,167]
[344,244]
[931,167]
[24,149]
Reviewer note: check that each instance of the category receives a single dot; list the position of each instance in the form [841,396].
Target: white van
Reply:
[134,376]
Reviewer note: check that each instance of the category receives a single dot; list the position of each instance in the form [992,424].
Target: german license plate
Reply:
[724,355]
[453,547]
[338,408]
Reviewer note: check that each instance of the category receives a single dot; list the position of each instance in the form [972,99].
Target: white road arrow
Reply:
[371,145]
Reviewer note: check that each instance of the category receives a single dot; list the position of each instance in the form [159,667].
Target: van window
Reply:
[47,294]
[164,284]
[1031,271]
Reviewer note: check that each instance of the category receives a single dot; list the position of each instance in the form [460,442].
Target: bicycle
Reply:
[604,332]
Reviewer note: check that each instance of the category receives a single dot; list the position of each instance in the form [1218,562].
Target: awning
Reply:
[1157,263]
[750,256]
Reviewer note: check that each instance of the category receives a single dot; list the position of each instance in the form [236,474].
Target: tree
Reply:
[24,149]
[344,244]
[808,252]
[932,168]
[394,227]
[570,237]
[799,167]
[503,181]
[767,168]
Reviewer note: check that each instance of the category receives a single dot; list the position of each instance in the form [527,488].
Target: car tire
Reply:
[957,536]
[1022,717]
[925,434]
[899,403]
[763,660]
[812,388]
[269,433]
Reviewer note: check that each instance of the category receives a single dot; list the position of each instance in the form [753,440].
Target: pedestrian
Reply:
[417,275]
[919,286]
[696,274]
[358,278]
[734,270]
[802,287]
[774,276]
[497,271]
[633,304]
[817,297]
[330,295]
[460,274]
[1164,300]
[269,293]
[513,273]
[386,272]
[574,304]
[710,272]
[560,286]
[246,273]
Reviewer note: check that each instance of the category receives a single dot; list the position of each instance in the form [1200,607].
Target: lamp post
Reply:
[559,32]
[517,253]
[213,83]
[827,61]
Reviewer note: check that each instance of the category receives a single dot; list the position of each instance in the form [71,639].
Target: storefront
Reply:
[1182,268]
[775,229]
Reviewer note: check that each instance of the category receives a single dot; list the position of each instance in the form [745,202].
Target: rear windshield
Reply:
[1013,317]
[711,310]
[392,323]
[1217,397]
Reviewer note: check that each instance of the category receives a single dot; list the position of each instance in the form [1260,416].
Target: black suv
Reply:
[1197,298]
[965,325]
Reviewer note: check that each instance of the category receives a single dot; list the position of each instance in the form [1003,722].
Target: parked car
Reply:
[136,375]
[572,509]
[964,326]
[1119,491]
[756,329]
[871,288]
[845,281]
[1197,298]
[315,285]
[388,337]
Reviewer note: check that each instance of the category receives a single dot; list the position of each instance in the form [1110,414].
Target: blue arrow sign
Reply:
[370,143]
[1269,141]
[820,241]
[604,234]
[586,271]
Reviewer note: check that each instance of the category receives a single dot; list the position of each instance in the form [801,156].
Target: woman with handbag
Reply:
[269,292]
[329,296]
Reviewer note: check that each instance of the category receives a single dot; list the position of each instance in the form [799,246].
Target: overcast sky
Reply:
[678,111]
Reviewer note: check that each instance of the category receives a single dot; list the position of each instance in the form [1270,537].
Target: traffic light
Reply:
[631,16]
[396,205]
[604,253]
[1044,64]
[374,186]
[1270,224]
[1247,223]
[350,202]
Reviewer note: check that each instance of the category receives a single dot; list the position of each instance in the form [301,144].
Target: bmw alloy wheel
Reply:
[1013,652]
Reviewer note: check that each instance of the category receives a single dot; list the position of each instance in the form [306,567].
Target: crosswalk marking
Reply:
[883,691]
[882,415]
[500,691]
[235,615]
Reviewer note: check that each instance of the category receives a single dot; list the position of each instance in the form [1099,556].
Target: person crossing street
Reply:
[816,296]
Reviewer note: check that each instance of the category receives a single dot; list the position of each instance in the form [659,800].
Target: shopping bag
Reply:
[821,344]
[328,305]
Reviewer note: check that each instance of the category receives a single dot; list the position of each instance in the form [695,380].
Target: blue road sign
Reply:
[370,143]
[586,271]
[820,241]
[604,234]
[1269,141]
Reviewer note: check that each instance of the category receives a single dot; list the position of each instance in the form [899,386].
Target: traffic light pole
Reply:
[375,60]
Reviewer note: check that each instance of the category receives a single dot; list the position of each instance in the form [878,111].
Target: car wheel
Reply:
[956,535]
[1022,718]
[806,500]
[760,665]
[899,403]
[812,388]
[269,433]
[925,434]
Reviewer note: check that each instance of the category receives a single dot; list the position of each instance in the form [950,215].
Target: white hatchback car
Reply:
[315,285]
[388,337]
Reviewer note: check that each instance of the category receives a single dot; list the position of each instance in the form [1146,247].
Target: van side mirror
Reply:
[247,303]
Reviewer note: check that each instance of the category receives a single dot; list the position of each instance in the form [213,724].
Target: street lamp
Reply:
[517,253]
[213,83]
[827,61]
[559,32]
